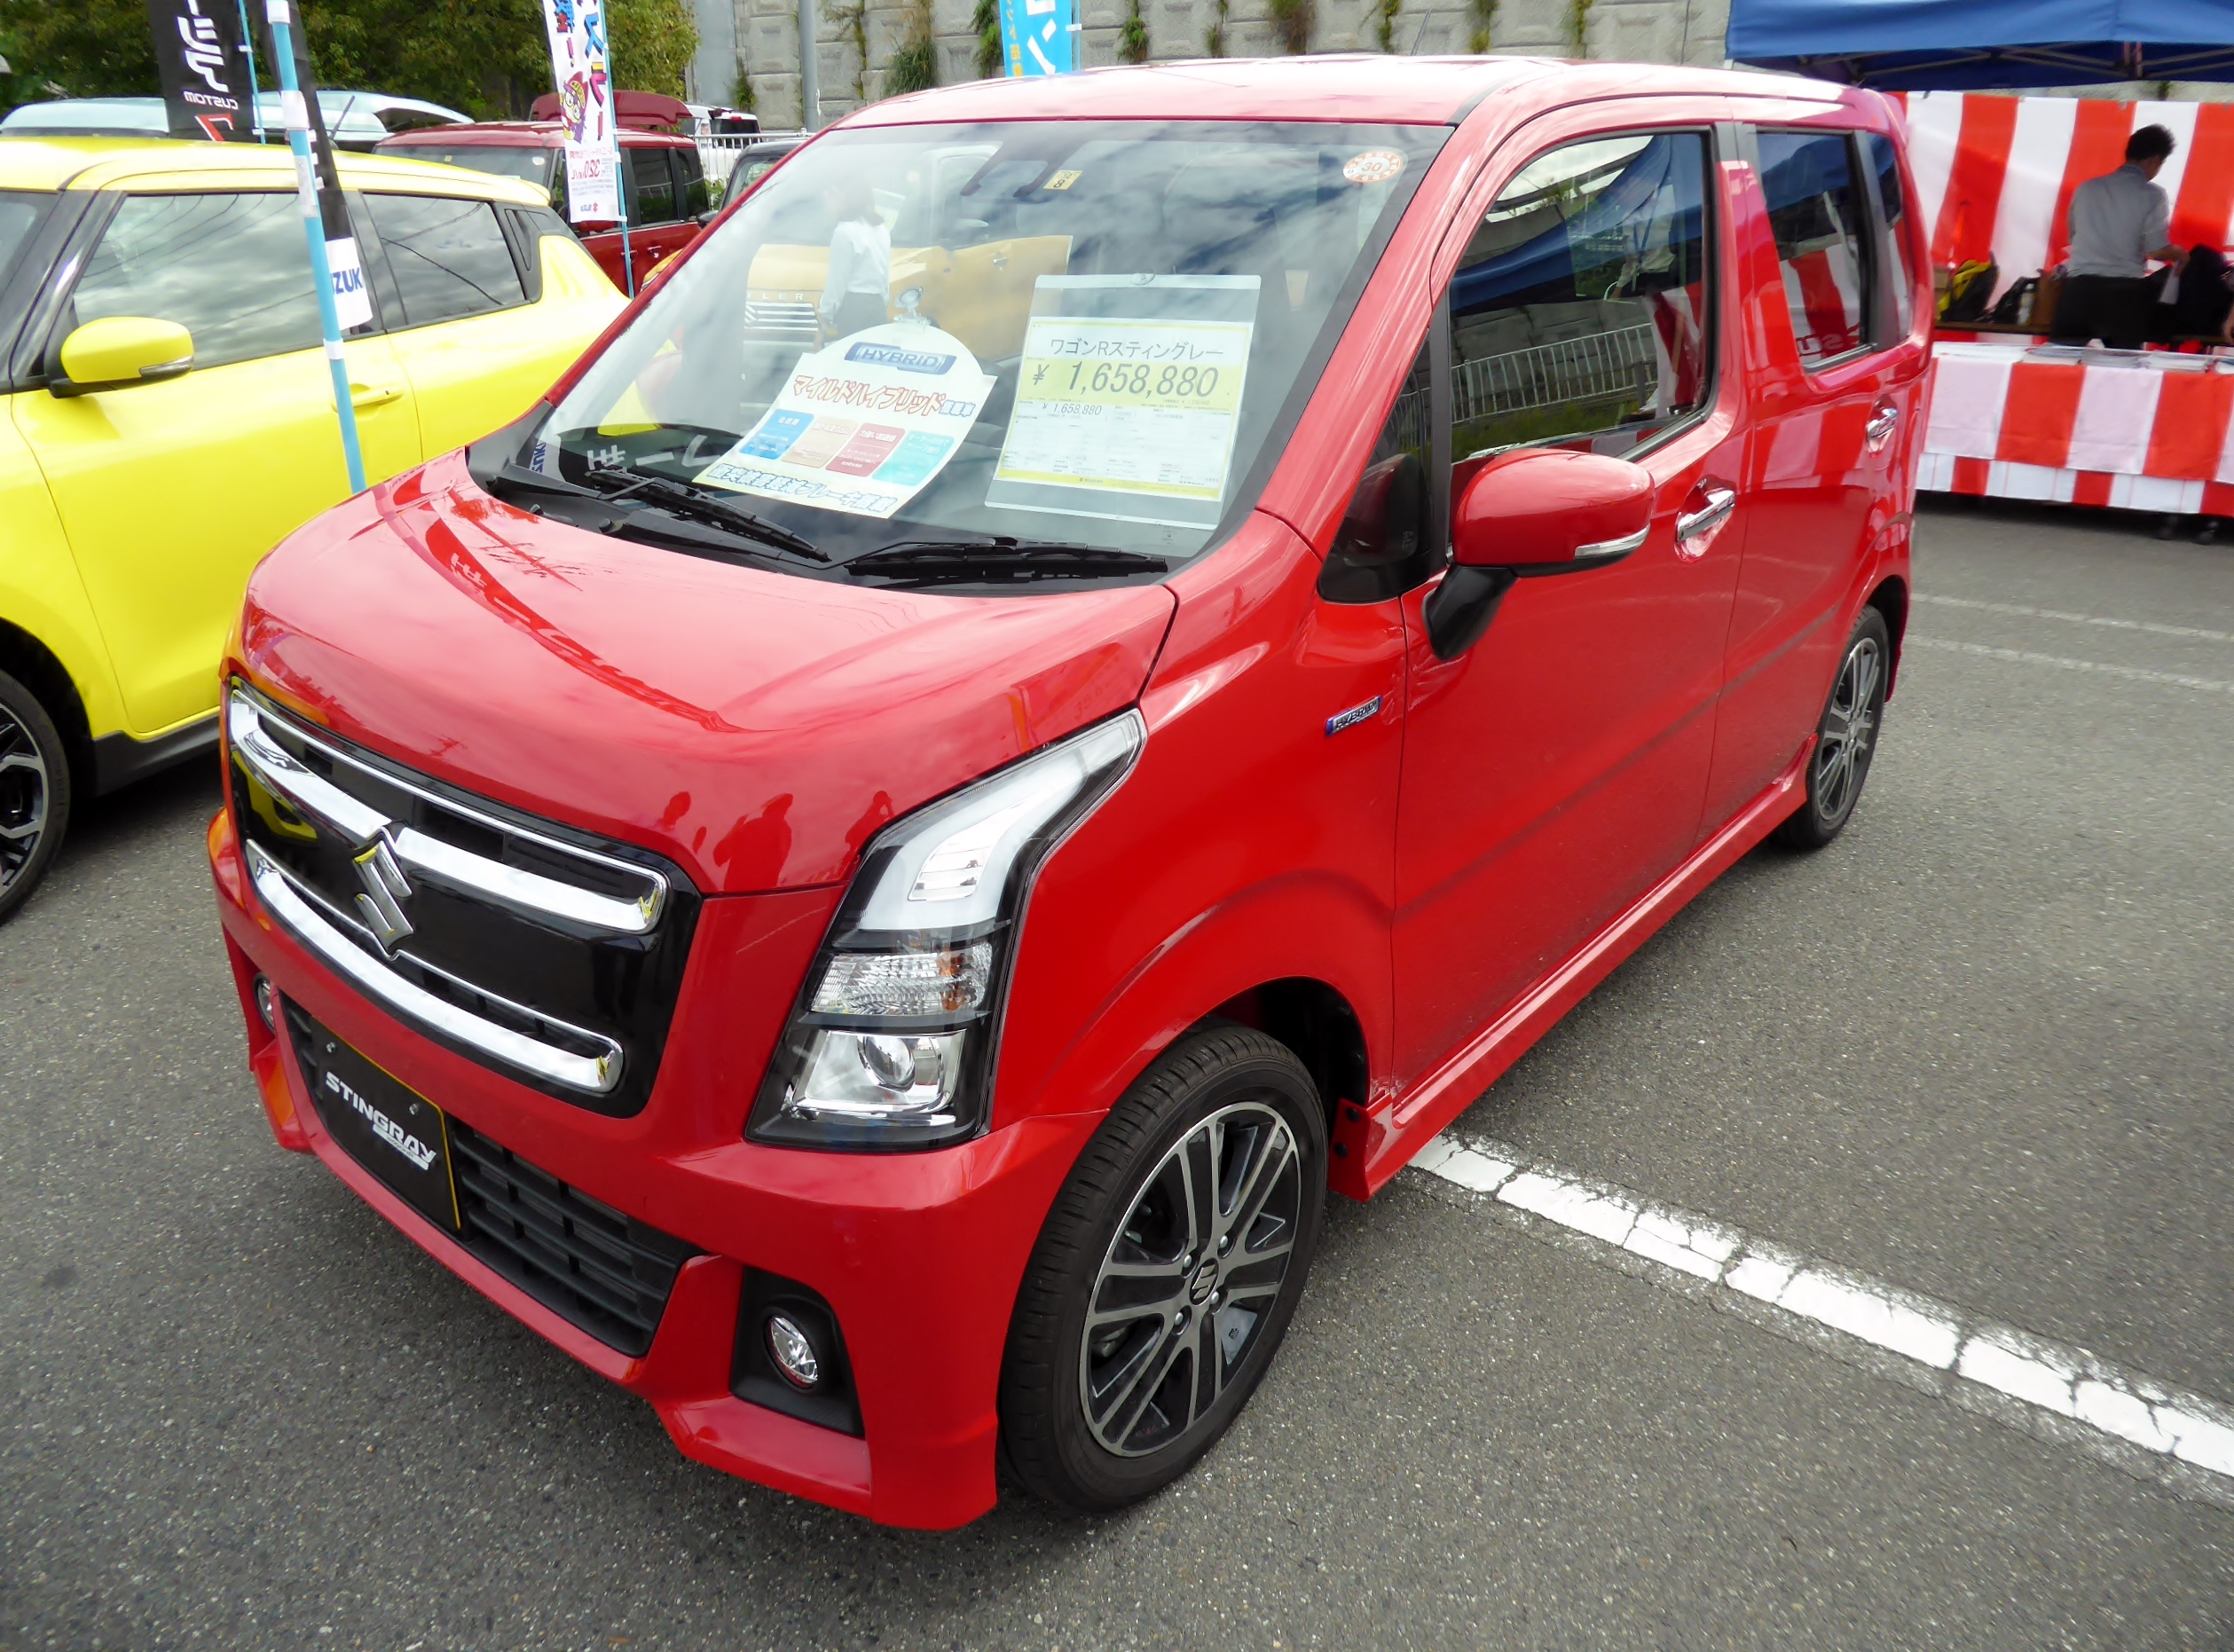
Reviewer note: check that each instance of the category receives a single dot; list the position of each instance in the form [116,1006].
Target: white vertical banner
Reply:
[578,55]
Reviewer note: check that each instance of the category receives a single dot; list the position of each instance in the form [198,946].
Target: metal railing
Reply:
[1602,367]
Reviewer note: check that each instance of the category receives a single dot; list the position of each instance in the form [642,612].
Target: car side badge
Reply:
[1354,715]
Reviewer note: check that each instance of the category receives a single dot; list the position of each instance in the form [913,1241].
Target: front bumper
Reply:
[919,1255]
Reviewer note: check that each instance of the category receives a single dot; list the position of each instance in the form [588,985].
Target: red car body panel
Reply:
[756,729]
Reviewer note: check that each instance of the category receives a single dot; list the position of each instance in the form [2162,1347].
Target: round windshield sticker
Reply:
[1372,166]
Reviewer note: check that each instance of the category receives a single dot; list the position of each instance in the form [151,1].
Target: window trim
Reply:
[1857,179]
[1717,136]
[1886,239]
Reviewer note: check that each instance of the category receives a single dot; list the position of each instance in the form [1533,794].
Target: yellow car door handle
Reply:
[373,395]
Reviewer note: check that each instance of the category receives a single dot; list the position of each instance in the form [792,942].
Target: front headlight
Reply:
[891,1043]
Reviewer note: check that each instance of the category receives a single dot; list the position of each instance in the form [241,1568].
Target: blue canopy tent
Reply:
[1974,45]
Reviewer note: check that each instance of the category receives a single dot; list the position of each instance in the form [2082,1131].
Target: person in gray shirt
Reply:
[2119,223]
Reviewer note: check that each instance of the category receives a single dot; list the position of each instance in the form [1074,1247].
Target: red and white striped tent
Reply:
[1995,174]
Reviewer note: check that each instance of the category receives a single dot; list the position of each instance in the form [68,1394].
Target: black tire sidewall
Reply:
[1809,827]
[24,706]
[1044,1428]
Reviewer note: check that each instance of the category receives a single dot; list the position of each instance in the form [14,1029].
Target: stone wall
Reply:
[765,37]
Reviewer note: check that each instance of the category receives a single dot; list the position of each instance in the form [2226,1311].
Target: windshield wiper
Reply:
[680,499]
[997,558]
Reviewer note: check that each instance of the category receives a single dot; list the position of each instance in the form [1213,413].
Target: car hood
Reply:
[756,727]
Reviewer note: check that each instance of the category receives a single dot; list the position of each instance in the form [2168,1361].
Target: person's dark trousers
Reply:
[2111,308]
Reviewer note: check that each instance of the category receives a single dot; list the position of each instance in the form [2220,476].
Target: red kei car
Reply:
[663,177]
[1097,659]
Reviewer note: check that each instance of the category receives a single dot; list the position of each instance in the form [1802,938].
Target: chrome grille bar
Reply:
[529,893]
[299,909]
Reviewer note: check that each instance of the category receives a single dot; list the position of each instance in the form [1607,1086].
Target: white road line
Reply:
[1954,1347]
[2024,657]
[2023,612]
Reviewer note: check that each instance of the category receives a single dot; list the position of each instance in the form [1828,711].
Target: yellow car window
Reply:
[230,268]
[449,256]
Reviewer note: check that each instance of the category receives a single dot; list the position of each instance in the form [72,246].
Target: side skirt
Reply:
[1372,1143]
[118,759]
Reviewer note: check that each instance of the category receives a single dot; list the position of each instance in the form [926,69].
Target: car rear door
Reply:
[1555,770]
[171,491]
[1837,366]
[487,322]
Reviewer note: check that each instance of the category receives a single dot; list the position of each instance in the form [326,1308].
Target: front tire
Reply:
[34,793]
[1167,1272]
[1847,739]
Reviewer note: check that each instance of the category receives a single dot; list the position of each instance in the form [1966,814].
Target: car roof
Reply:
[1355,86]
[533,134]
[164,164]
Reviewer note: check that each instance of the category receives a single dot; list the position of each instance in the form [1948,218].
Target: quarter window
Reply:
[1816,208]
[449,256]
[1581,306]
[232,270]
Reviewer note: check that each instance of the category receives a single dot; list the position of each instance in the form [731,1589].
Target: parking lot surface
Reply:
[1978,1049]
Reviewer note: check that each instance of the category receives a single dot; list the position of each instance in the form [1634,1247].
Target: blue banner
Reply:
[1039,36]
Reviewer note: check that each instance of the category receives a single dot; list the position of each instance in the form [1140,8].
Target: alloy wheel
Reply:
[1190,1279]
[23,794]
[1850,729]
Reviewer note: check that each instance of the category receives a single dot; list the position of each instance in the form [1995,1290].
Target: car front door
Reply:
[1837,374]
[171,491]
[1554,770]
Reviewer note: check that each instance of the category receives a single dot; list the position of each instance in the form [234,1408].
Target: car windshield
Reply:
[504,160]
[1083,334]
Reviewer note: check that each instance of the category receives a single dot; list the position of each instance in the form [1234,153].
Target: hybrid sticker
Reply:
[862,424]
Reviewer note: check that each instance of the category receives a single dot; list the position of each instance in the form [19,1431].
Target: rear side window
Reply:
[1581,306]
[698,193]
[652,187]
[232,270]
[450,257]
[1885,162]
[1815,210]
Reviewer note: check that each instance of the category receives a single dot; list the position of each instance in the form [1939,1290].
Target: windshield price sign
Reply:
[1128,416]
[861,425]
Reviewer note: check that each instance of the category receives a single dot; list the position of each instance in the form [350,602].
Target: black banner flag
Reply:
[204,71]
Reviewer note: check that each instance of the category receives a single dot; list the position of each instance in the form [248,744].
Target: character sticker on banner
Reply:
[861,425]
[1373,166]
[1128,397]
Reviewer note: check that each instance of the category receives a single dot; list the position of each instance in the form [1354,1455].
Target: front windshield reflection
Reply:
[1081,332]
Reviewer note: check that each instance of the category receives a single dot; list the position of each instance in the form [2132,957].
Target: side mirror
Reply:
[1549,510]
[120,350]
[1543,510]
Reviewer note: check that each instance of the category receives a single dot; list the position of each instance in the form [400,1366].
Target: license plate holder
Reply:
[383,1124]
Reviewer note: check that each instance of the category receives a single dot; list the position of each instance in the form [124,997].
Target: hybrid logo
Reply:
[893,355]
[1354,715]
[393,1134]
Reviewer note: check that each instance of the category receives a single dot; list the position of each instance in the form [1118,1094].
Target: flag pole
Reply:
[279,14]
[248,50]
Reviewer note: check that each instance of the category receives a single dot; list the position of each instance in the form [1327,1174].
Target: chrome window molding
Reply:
[529,893]
[300,909]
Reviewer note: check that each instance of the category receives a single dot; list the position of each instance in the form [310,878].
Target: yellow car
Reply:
[169,416]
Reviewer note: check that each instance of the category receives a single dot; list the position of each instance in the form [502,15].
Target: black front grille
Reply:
[585,1261]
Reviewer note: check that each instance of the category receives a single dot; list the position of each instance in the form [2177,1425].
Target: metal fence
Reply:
[1602,366]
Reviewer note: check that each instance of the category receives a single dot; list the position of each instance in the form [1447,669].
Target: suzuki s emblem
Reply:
[380,906]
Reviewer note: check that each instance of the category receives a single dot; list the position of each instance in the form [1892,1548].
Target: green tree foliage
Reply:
[1213,36]
[914,61]
[986,21]
[1294,22]
[1132,38]
[1385,24]
[1484,24]
[486,57]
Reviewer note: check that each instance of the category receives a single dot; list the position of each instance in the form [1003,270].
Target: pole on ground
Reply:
[281,16]
[810,78]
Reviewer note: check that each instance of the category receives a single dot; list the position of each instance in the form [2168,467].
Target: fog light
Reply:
[793,1352]
[267,998]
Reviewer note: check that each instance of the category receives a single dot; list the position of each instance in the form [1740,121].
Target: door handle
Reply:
[1883,422]
[363,396]
[1694,525]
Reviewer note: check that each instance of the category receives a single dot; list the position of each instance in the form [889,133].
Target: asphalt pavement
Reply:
[1979,1049]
